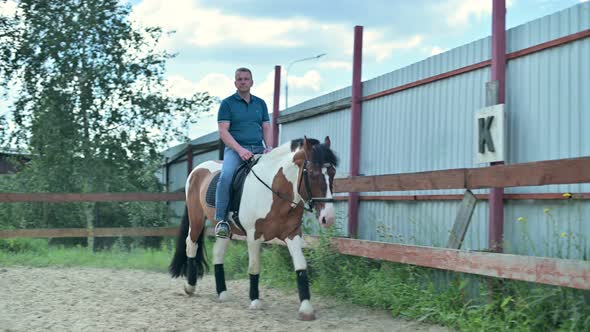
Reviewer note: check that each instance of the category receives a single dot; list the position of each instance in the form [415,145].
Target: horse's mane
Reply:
[320,156]
[321,153]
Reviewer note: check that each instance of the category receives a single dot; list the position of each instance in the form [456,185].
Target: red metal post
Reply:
[496,198]
[189,159]
[355,128]
[275,107]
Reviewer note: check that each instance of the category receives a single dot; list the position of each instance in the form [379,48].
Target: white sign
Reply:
[490,134]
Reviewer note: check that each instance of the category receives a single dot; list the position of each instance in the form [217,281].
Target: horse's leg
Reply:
[218,259]
[254,271]
[196,263]
[295,246]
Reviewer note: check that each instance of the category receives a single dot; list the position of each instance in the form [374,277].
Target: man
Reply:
[243,125]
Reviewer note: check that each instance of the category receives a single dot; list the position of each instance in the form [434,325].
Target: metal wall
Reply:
[430,127]
[336,125]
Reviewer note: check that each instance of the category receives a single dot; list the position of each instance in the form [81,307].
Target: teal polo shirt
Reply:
[245,118]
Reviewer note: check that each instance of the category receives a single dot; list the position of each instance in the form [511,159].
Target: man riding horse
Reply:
[243,124]
[295,177]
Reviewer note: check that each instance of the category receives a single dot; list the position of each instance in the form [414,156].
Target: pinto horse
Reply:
[294,177]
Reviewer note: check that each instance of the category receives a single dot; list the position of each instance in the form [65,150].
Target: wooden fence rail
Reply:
[90,197]
[84,232]
[551,271]
[562,171]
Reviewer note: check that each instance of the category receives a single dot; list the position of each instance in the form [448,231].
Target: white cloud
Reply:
[436,50]
[459,12]
[381,50]
[346,65]
[215,84]
[310,80]
[299,87]
[210,27]
[8,8]
[207,27]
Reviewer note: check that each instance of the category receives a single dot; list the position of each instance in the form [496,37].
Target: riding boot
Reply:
[222,230]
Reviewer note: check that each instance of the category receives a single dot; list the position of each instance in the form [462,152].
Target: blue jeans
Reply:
[231,162]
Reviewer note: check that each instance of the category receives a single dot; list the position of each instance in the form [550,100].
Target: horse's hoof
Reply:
[306,311]
[189,289]
[224,296]
[256,305]
[306,317]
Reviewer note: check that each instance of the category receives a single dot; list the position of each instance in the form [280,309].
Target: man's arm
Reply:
[229,140]
[267,134]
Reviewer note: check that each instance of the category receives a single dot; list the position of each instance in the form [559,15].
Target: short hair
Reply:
[244,70]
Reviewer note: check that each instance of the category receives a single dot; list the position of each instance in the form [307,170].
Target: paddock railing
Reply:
[551,271]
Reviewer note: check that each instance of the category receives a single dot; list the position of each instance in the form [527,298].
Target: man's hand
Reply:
[267,150]
[245,154]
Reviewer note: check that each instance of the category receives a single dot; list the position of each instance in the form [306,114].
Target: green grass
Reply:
[37,253]
[459,301]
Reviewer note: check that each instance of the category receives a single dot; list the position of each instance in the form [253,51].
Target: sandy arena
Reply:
[86,299]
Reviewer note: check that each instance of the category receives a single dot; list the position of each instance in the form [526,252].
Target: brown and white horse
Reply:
[290,179]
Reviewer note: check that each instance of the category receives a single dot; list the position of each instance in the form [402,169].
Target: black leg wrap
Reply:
[303,285]
[219,278]
[254,295]
[191,273]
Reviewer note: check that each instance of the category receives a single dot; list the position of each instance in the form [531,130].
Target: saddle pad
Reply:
[236,188]
[210,197]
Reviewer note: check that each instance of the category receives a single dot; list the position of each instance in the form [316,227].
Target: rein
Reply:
[310,202]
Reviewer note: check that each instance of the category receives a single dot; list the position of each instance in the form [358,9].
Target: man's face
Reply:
[243,81]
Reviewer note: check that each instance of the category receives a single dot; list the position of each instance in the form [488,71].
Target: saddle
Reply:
[236,188]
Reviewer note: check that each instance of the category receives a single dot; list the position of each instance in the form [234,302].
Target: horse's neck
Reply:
[281,157]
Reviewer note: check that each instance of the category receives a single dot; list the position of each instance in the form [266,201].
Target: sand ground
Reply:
[87,299]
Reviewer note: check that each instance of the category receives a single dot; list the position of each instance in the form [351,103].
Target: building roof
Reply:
[203,143]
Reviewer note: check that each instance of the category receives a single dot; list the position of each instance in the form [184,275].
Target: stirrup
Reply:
[222,230]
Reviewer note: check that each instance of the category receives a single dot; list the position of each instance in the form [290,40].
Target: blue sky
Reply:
[214,37]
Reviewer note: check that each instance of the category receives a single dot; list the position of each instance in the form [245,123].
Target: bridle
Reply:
[311,201]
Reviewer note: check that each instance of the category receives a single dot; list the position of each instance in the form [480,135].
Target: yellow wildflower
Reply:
[546,210]
[520,219]
[563,234]
[567,195]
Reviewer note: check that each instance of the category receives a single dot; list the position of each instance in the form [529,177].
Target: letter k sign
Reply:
[485,136]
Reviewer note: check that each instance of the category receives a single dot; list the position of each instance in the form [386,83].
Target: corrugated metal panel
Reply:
[547,94]
[202,157]
[462,56]
[556,228]
[177,173]
[418,223]
[430,128]
[335,124]
[321,100]
[425,128]
[560,24]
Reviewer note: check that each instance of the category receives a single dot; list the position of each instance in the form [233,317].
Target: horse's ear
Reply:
[327,141]
[307,145]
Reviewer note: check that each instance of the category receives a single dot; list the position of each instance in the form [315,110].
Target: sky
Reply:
[214,37]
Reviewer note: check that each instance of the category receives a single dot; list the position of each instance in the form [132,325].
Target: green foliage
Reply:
[119,257]
[456,300]
[23,245]
[459,301]
[91,108]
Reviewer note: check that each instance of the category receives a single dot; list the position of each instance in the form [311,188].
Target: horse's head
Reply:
[317,168]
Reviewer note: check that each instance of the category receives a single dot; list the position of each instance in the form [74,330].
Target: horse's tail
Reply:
[178,266]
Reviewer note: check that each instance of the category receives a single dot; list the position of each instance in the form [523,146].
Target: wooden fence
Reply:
[552,271]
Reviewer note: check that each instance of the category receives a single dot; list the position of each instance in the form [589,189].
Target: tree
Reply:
[92,106]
